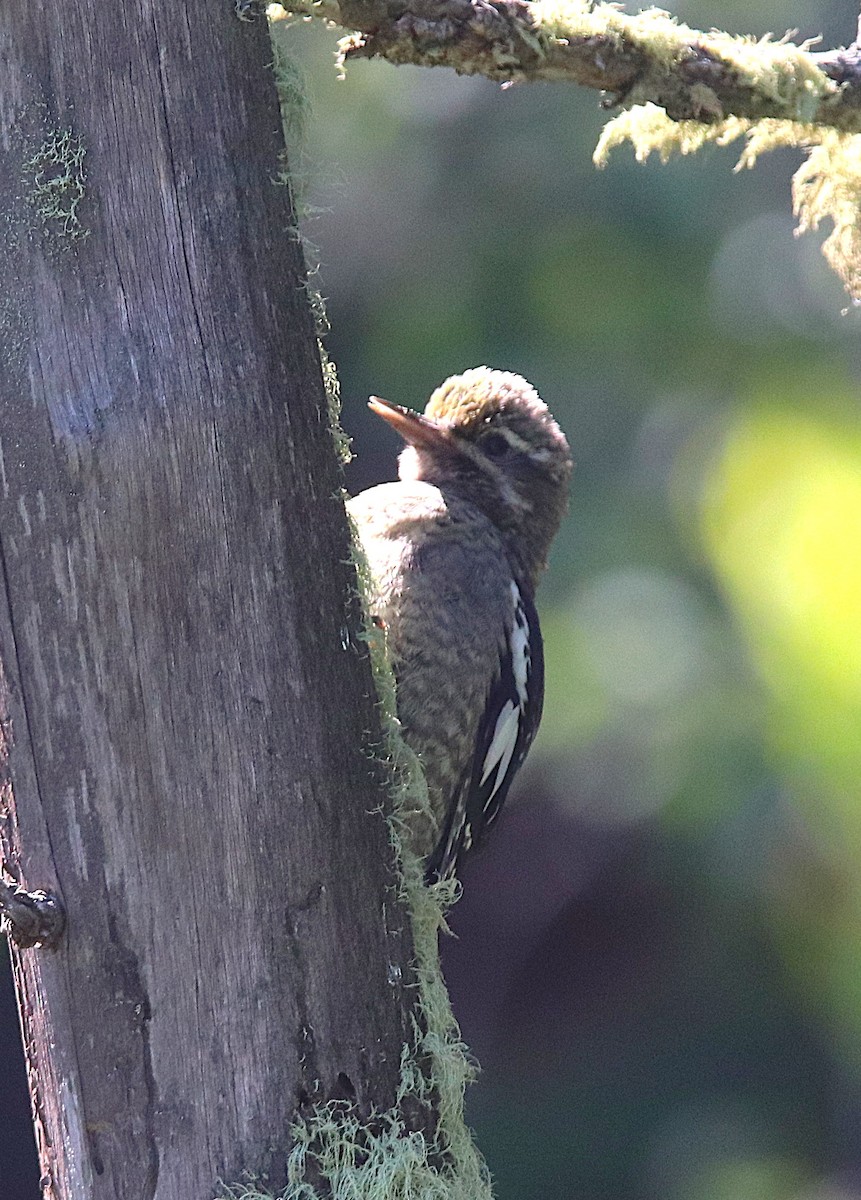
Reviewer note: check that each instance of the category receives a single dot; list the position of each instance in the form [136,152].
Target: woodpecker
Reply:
[455,549]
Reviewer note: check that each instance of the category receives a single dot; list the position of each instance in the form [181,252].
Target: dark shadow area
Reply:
[19,1172]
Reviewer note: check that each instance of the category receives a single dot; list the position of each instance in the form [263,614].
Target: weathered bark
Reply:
[186,705]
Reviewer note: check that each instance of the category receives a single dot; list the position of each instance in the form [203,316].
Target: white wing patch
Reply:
[504,740]
[505,734]
[511,716]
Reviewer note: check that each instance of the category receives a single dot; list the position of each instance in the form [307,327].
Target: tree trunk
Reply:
[187,704]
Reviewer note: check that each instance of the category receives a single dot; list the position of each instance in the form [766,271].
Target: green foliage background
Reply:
[658,959]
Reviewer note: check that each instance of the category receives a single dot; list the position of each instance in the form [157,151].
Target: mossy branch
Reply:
[679,87]
[637,58]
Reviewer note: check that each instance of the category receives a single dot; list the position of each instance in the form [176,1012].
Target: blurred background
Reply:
[657,959]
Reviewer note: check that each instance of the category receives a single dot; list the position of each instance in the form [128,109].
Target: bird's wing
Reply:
[507,728]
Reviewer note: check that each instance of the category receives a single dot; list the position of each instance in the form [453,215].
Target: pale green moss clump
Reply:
[779,70]
[653,28]
[828,185]
[650,131]
[333,399]
[55,178]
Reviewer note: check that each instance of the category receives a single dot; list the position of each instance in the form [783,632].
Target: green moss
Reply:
[650,131]
[54,178]
[828,186]
[563,19]
[333,399]
[779,70]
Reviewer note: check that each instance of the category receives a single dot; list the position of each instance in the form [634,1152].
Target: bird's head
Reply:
[488,437]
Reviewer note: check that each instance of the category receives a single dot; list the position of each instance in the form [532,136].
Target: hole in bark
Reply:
[344,1089]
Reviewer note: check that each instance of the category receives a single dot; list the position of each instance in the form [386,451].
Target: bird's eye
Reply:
[495,445]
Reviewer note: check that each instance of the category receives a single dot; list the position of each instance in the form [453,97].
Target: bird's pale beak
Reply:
[415,428]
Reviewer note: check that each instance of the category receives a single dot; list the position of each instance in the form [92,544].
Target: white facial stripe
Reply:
[515,441]
[507,493]
[538,454]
